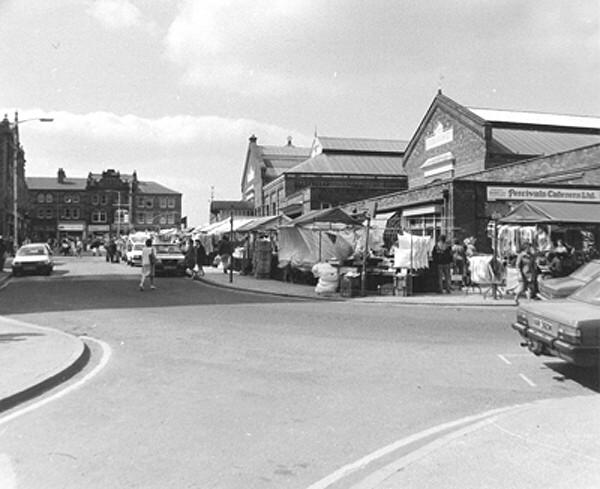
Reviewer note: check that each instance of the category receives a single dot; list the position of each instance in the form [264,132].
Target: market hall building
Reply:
[467,166]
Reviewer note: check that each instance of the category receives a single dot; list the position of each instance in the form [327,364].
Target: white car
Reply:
[33,258]
[133,253]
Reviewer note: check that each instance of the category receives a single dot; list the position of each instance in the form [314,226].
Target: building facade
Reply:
[462,163]
[101,204]
[9,154]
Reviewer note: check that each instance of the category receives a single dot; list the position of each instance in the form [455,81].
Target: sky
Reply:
[174,88]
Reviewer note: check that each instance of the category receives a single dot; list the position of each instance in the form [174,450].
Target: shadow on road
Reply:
[587,377]
[6,337]
[117,292]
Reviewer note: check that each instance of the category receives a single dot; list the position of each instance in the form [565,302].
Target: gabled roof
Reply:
[52,183]
[350,165]
[536,118]
[517,132]
[361,145]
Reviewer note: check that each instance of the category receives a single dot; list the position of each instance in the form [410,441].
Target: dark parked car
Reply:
[33,258]
[557,288]
[568,328]
[169,259]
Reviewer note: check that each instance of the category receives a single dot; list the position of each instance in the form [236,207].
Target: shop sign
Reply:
[95,228]
[533,193]
[70,226]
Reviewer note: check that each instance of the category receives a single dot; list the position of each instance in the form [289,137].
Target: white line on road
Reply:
[106,354]
[361,463]
[530,382]
[504,359]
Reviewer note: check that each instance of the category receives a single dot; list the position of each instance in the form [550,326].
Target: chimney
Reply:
[289,141]
[252,139]
[61,175]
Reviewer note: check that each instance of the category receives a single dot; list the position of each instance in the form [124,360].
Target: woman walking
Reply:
[148,260]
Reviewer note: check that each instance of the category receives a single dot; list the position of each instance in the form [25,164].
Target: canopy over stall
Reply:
[264,224]
[553,212]
[326,216]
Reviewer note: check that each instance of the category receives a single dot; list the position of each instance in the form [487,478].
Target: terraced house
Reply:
[101,204]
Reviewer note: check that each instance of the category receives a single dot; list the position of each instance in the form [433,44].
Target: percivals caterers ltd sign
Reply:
[532,193]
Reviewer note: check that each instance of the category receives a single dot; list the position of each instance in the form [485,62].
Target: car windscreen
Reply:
[31,251]
[587,272]
[589,293]
[138,246]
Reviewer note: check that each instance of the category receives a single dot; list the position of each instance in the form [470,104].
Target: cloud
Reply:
[118,14]
[186,153]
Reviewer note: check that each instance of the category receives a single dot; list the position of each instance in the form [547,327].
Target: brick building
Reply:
[8,142]
[462,163]
[332,172]
[101,204]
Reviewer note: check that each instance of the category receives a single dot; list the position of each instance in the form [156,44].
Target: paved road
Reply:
[210,388]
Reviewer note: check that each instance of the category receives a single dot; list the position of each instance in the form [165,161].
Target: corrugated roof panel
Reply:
[538,118]
[362,144]
[351,164]
[539,142]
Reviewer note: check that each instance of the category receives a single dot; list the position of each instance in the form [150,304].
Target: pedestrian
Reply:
[225,250]
[148,261]
[78,247]
[525,266]
[195,259]
[442,258]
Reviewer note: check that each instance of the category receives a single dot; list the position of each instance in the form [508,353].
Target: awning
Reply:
[553,212]
[267,223]
[333,215]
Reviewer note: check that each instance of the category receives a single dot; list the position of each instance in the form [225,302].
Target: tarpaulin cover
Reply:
[333,215]
[299,246]
[531,212]
[267,223]
[224,226]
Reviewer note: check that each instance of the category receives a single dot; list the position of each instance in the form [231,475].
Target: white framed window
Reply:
[139,201]
[170,218]
[75,213]
[76,198]
[162,202]
[171,202]
[41,213]
[95,199]
[41,198]
[49,214]
[141,218]
[49,198]
[67,198]
[98,216]
[104,199]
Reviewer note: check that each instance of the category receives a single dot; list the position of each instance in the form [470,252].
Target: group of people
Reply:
[449,259]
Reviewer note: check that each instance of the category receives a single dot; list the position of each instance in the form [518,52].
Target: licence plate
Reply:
[545,326]
[29,267]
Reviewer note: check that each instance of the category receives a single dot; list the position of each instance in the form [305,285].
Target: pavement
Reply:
[552,443]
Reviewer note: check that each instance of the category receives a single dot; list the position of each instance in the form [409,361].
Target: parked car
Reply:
[133,253]
[169,259]
[556,288]
[568,328]
[33,258]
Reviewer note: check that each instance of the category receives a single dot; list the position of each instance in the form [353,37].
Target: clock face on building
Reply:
[250,175]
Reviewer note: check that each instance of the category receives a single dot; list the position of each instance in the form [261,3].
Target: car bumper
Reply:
[542,343]
[166,269]
[31,268]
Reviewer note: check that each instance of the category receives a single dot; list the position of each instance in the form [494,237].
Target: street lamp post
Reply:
[17,145]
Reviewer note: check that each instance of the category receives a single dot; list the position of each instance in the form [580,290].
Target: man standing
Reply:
[442,257]
[148,260]
[225,249]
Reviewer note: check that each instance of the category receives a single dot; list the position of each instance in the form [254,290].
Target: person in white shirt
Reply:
[148,259]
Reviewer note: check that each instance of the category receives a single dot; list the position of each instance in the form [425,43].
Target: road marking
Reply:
[382,452]
[504,359]
[530,382]
[106,354]
[375,479]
